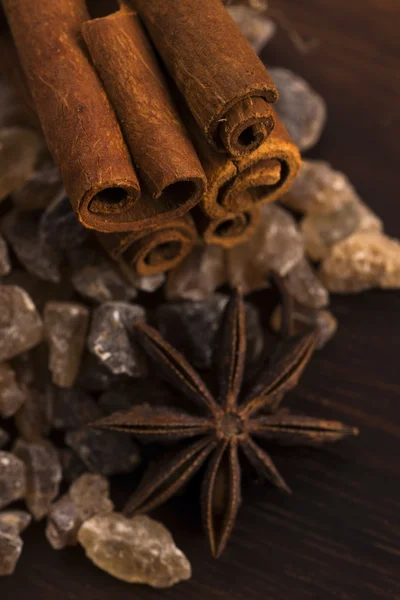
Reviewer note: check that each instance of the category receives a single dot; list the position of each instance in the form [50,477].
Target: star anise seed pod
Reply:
[229,422]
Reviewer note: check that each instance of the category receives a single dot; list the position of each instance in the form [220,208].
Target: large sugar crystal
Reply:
[256,27]
[12,394]
[19,152]
[5,265]
[40,188]
[136,550]
[59,227]
[43,471]
[301,109]
[12,479]
[110,337]
[65,325]
[303,284]
[21,327]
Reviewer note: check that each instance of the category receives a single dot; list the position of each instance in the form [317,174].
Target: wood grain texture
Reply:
[338,535]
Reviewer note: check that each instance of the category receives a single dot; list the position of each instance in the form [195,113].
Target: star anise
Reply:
[229,422]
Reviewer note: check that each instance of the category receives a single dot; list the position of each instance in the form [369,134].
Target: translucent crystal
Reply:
[145,283]
[70,408]
[33,420]
[362,261]
[95,277]
[321,231]
[72,465]
[65,325]
[303,284]
[19,152]
[87,496]
[12,394]
[43,471]
[22,233]
[276,246]
[94,376]
[14,521]
[4,438]
[5,265]
[137,550]
[301,109]
[319,189]
[191,328]
[21,327]
[59,227]
[40,188]
[104,452]
[110,337]
[256,27]
[305,318]
[39,290]
[12,478]
[10,550]
[198,275]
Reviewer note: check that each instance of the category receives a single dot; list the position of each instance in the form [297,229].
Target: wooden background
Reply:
[337,536]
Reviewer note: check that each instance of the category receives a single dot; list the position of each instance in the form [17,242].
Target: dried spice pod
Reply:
[229,230]
[152,251]
[78,121]
[225,85]
[255,179]
[166,161]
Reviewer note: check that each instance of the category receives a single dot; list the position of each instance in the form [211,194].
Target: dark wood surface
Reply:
[337,536]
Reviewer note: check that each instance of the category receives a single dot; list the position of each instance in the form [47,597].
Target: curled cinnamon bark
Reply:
[229,230]
[152,251]
[225,85]
[77,118]
[253,180]
[163,154]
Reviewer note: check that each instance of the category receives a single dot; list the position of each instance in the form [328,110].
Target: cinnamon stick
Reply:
[235,185]
[225,85]
[152,251]
[164,156]
[78,120]
[229,230]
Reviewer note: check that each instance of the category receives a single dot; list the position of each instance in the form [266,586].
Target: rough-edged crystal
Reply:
[191,328]
[12,394]
[72,466]
[87,496]
[5,265]
[43,472]
[277,245]
[21,327]
[10,550]
[39,290]
[59,227]
[94,377]
[256,27]
[19,152]
[14,521]
[65,325]
[110,337]
[12,479]
[308,318]
[104,452]
[319,189]
[96,277]
[303,284]
[301,109]
[321,232]
[136,550]
[71,407]
[362,261]
[40,188]
[198,275]
[22,233]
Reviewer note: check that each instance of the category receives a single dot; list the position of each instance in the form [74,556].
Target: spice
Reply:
[78,121]
[166,161]
[225,85]
[230,230]
[155,250]
[225,423]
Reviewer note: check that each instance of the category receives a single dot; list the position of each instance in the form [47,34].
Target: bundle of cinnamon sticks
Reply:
[160,119]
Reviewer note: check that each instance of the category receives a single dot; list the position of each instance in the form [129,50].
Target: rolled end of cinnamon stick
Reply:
[245,126]
[230,230]
[152,252]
